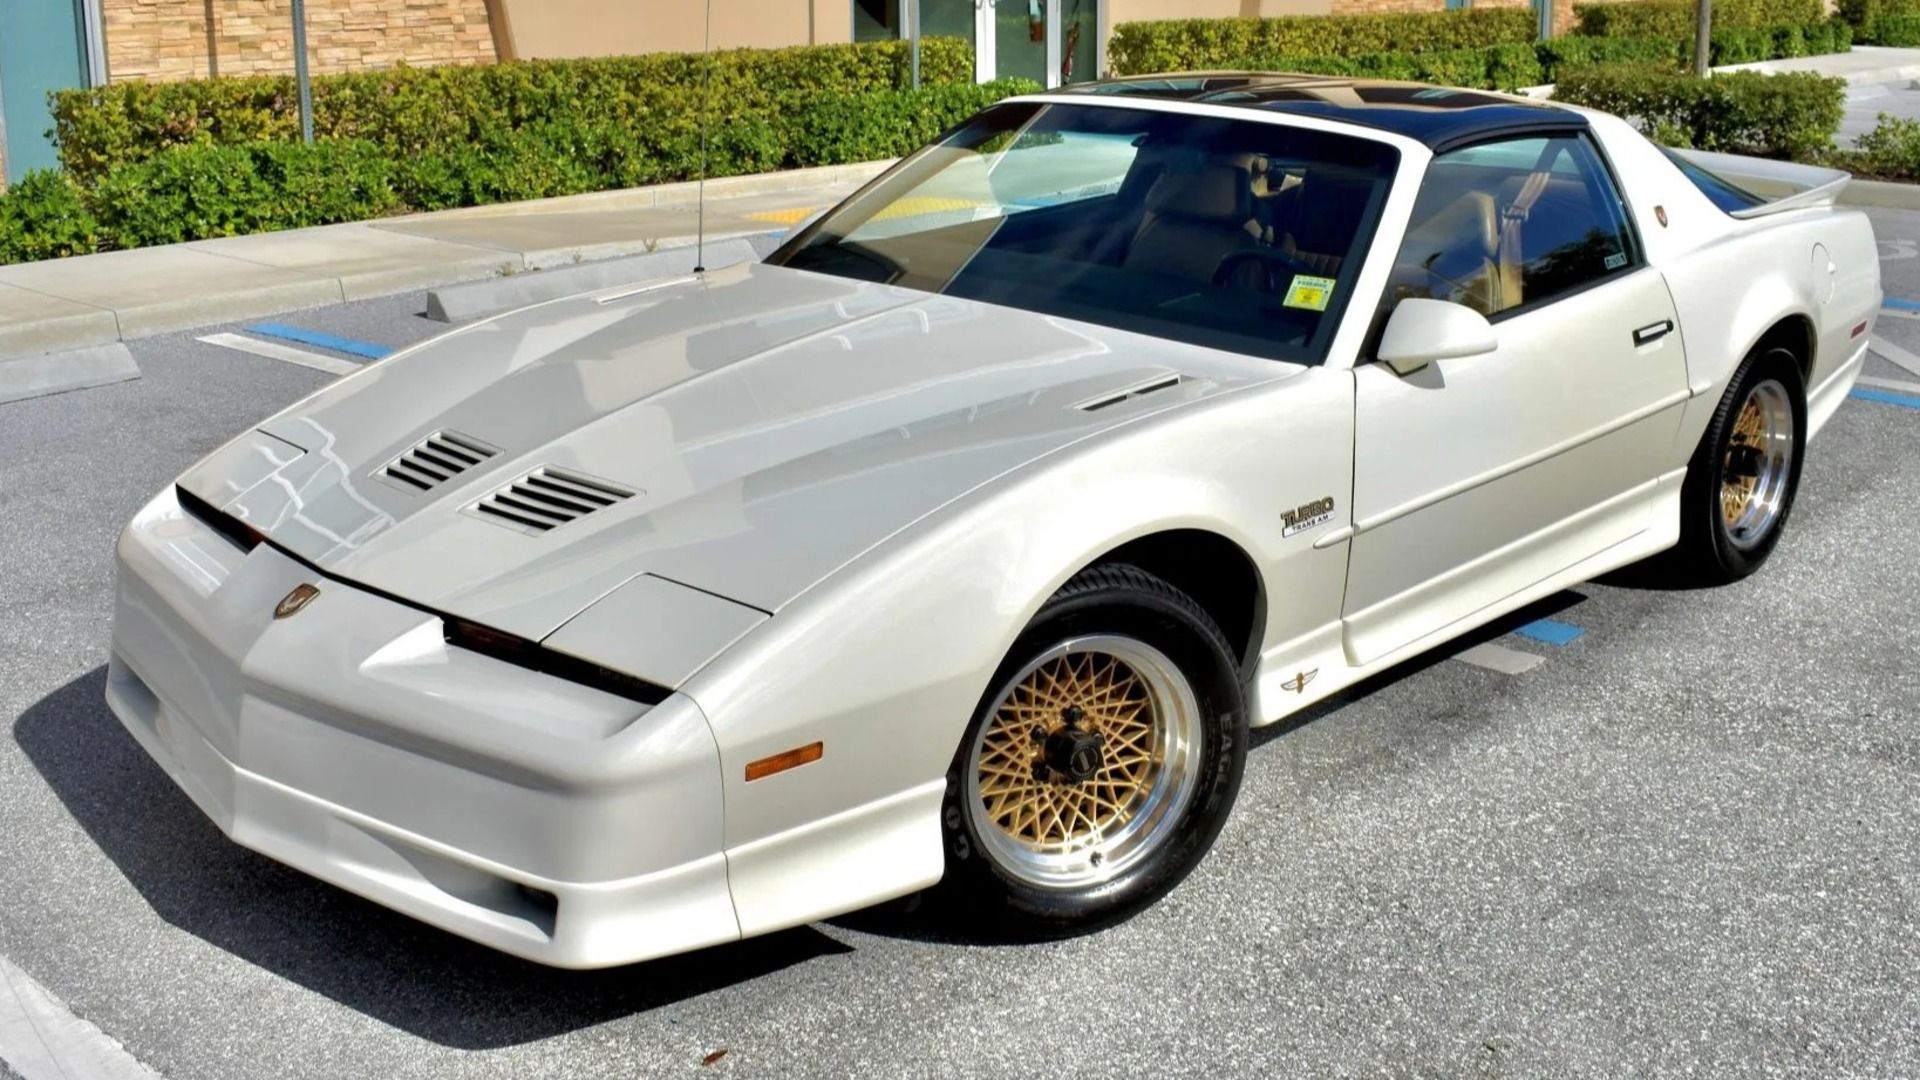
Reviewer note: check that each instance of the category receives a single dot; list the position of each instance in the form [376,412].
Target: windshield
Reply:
[1233,234]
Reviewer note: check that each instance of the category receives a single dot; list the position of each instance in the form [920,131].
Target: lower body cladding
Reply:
[350,741]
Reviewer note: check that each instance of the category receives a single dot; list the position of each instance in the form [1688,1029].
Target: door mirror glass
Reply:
[1421,331]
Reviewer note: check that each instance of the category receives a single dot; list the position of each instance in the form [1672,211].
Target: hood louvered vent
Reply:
[437,458]
[1160,382]
[546,499]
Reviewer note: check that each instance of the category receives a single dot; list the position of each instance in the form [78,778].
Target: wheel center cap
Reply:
[1075,755]
[1743,461]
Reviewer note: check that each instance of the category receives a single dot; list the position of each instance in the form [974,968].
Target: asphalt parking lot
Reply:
[1684,843]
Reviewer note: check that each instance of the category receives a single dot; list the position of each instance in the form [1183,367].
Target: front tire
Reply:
[1743,477]
[1101,763]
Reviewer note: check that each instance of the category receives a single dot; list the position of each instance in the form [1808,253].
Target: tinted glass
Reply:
[876,20]
[1234,234]
[1723,192]
[1514,223]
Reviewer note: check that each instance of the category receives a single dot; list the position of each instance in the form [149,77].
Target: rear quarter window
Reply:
[1722,192]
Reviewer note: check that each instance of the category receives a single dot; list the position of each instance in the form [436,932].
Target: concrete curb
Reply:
[1868,77]
[41,1039]
[462,303]
[56,324]
[72,369]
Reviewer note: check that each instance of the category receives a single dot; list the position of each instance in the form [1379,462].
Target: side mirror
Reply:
[1421,331]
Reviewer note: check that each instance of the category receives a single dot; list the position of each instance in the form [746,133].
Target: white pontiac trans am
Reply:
[962,540]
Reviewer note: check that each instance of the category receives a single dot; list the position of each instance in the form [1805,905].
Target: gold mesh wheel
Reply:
[1758,464]
[1086,759]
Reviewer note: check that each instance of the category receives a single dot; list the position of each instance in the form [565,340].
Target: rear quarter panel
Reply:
[1732,280]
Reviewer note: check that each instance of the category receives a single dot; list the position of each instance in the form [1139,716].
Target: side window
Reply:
[1518,222]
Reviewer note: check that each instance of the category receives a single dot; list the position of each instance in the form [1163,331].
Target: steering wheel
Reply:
[1270,264]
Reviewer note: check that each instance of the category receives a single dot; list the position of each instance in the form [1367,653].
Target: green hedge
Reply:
[889,123]
[200,190]
[1883,22]
[1675,18]
[1563,54]
[1497,67]
[1203,44]
[1899,30]
[1508,67]
[410,111]
[1891,151]
[1138,48]
[1744,112]
[1744,46]
[44,217]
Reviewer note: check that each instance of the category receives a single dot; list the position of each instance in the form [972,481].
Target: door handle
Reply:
[1652,332]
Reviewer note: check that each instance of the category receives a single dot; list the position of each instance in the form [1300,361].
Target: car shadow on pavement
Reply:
[396,970]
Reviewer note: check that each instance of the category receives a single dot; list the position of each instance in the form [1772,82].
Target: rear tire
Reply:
[1100,764]
[1743,477]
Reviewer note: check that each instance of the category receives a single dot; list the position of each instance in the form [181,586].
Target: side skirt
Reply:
[1824,400]
[1315,666]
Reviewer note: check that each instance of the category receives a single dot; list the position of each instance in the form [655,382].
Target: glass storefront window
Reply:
[1022,36]
[947,18]
[1079,27]
[876,20]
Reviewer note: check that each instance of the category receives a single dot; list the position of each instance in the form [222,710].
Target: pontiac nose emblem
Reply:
[292,603]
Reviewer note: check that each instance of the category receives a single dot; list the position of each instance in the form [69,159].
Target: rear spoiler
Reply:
[1787,185]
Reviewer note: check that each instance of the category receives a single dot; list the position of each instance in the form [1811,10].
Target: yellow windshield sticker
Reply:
[1308,292]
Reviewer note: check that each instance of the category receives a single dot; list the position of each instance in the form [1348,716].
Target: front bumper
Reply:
[543,818]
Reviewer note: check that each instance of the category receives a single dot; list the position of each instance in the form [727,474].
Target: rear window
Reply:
[1233,234]
[1724,193]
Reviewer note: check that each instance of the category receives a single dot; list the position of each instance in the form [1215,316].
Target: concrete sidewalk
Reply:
[61,319]
[1866,65]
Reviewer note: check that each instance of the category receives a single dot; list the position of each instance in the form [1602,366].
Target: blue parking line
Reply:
[326,341]
[1900,305]
[1886,397]
[1550,632]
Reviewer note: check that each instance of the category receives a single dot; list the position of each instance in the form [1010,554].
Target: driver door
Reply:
[1480,476]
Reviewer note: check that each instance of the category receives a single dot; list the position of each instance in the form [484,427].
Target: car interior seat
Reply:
[1453,254]
[1197,214]
[1321,219]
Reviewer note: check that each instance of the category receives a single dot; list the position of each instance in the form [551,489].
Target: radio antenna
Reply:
[706,105]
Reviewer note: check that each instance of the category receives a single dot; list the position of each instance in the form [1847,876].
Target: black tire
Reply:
[1711,551]
[1115,604]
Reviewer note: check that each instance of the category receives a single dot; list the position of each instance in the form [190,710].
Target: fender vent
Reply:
[547,498]
[437,459]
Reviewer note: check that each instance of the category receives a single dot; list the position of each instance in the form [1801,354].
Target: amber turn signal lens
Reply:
[785,760]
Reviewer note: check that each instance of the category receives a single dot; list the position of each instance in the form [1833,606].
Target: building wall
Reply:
[1120,11]
[618,27]
[171,39]
[177,39]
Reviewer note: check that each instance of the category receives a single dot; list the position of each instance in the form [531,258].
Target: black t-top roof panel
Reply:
[1438,116]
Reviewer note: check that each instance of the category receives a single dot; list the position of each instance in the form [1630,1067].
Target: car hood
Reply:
[768,426]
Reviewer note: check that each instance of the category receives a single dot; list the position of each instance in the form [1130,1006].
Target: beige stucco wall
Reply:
[1120,11]
[612,27]
[177,39]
